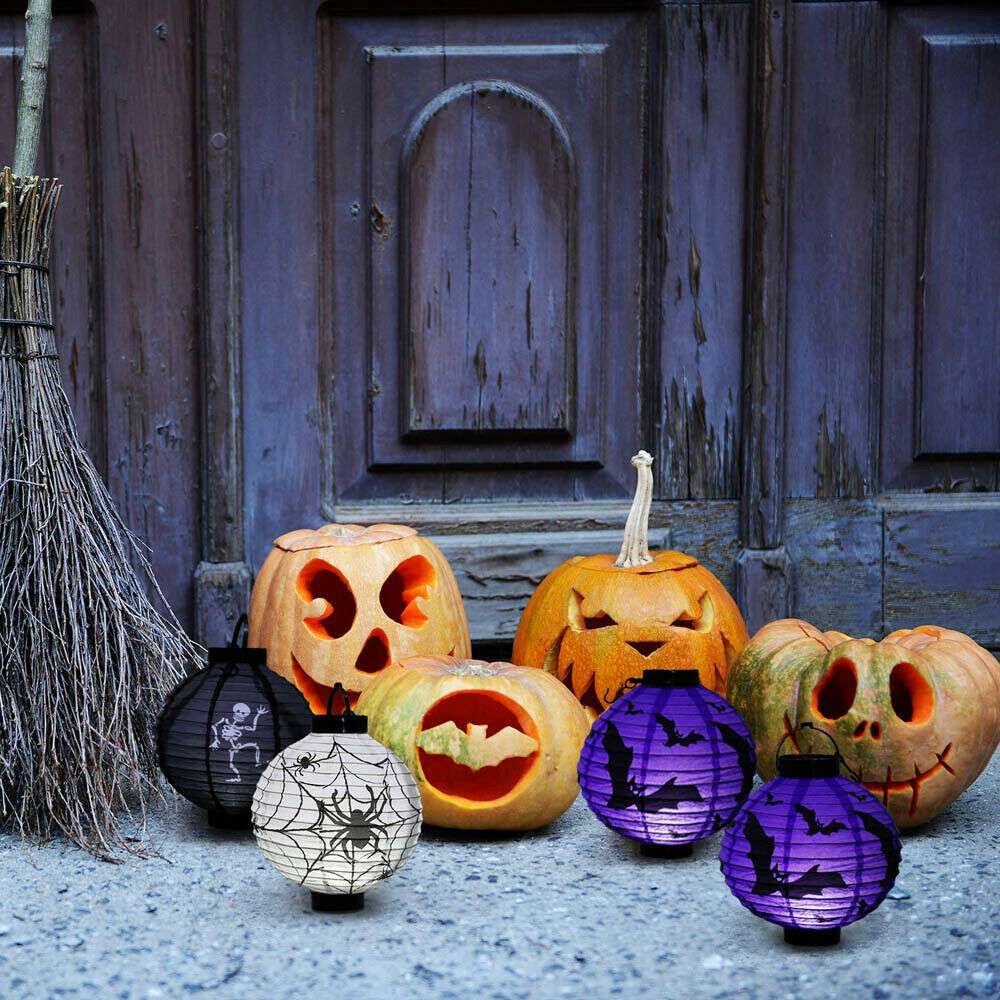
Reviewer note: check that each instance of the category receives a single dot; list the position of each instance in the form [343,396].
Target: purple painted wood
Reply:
[149,256]
[281,362]
[697,259]
[900,447]
[68,150]
[473,250]
[958,312]
[832,390]
[562,176]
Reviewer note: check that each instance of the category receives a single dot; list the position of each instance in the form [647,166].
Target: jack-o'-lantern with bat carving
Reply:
[492,746]
[916,716]
[596,621]
[343,602]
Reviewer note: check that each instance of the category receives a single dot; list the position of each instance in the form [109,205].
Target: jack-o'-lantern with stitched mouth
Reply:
[343,602]
[916,716]
[492,746]
[596,621]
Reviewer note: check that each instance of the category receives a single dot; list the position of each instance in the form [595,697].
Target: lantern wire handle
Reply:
[836,749]
[343,694]
[241,623]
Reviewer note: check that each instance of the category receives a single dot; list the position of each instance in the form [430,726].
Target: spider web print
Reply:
[337,815]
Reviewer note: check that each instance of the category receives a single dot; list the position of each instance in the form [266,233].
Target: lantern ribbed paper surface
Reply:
[220,727]
[811,850]
[669,763]
[337,812]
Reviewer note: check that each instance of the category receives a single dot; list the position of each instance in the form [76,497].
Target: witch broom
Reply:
[85,658]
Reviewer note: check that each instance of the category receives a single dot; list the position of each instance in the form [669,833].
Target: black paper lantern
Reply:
[221,726]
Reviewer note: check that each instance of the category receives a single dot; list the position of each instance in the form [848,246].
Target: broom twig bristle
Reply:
[86,659]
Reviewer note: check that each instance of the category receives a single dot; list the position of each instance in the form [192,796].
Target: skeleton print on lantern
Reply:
[337,814]
[231,732]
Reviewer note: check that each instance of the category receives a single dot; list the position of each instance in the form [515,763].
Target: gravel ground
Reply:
[570,911]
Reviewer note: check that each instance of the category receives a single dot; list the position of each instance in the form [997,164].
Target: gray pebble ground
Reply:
[571,911]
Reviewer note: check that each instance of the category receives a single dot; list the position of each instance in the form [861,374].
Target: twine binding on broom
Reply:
[86,659]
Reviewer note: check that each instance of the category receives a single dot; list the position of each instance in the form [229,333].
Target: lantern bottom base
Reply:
[811,938]
[229,821]
[667,850]
[337,902]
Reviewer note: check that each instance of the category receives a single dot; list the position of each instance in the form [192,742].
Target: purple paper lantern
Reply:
[811,850]
[669,763]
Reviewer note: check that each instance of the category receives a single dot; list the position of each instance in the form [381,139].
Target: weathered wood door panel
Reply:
[123,260]
[485,220]
[452,269]
[941,408]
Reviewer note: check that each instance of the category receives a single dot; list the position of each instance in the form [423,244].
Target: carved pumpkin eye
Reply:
[412,578]
[580,622]
[834,695]
[333,604]
[911,696]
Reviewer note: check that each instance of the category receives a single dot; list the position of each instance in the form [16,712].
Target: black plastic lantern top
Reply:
[808,765]
[234,652]
[671,678]
[347,722]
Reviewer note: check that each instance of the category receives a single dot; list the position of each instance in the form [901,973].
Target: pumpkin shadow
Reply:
[447,835]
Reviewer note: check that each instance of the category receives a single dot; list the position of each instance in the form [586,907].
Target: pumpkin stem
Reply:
[635,545]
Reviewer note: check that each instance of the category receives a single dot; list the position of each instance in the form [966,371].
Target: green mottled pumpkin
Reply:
[917,715]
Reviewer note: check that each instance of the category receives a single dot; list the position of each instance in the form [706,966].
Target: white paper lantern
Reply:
[337,812]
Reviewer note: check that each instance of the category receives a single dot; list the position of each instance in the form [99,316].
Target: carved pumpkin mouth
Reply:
[882,788]
[477,745]
[315,693]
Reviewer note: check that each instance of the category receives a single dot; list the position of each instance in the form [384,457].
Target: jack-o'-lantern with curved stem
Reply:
[340,603]
[596,621]
[916,715]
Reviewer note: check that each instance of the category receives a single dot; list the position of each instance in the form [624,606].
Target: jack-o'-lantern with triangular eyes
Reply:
[597,621]
[344,601]
[916,716]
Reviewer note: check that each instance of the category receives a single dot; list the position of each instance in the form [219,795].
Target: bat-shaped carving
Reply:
[473,748]
[674,738]
[744,751]
[887,838]
[625,792]
[815,827]
[769,880]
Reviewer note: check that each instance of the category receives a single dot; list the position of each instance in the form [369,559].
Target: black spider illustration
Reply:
[356,827]
[306,762]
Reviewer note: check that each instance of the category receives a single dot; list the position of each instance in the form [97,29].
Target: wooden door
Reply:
[454,268]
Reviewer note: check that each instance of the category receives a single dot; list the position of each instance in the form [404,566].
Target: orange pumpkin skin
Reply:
[593,624]
[342,602]
[917,714]
[519,774]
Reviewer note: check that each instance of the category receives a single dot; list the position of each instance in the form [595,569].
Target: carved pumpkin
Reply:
[596,621]
[343,602]
[915,715]
[492,746]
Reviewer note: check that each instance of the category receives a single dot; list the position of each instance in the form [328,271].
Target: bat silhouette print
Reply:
[887,840]
[626,793]
[769,879]
[674,738]
[744,751]
[815,827]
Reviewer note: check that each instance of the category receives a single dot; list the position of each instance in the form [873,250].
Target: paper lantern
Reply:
[220,726]
[668,764]
[337,812]
[811,850]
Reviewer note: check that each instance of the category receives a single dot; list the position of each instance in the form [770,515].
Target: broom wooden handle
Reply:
[34,71]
